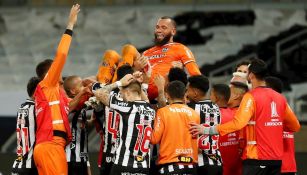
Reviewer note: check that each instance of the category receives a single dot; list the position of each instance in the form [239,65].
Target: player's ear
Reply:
[174,31]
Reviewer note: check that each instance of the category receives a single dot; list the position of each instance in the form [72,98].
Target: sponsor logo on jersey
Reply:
[139,158]
[122,104]
[156,56]
[185,159]
[180,110]
[165,49]
[184,151]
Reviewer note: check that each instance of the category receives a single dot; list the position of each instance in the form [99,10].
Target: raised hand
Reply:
[159,82]
[140,63]
[73,16]
[126,80]
[138,76]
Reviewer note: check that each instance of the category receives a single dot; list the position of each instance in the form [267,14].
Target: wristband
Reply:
[119,84]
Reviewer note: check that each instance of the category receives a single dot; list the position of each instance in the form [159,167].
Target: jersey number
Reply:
[113,124]
[22,140]
[205,144]
[143,140]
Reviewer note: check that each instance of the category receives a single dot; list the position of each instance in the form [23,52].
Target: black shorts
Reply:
[105,168]
[77,168]
[24,171]
[121,170]
[261,167]
[210,170]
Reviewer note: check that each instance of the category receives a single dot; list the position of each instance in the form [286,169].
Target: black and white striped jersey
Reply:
[209,116]
[108,121]
[177,169]
[25,130]
[135,128]
[77,149]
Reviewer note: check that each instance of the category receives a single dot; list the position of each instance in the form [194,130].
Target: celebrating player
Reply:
[53,130]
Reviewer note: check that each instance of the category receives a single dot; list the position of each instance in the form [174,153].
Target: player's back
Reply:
[176,142]
[229,146]
[135,129]
[25,129]
[209,114]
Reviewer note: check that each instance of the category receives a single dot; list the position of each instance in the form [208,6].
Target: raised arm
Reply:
[53,75]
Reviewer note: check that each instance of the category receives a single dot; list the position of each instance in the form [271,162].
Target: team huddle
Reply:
[152,117]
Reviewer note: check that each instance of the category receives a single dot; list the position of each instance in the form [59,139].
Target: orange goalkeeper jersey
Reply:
[161,58]
[171,131]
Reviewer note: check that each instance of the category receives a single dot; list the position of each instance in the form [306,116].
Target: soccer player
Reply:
[209,157]
[175,73]
[237,91]
[228,144]
[111,60]
[77,149]
[266,114]
[177,149]
[51,107]
[108,123]
[288,166]
[136,121]
[166,53]
[25,129]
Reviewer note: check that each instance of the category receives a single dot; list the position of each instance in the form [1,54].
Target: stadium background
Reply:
[219,32]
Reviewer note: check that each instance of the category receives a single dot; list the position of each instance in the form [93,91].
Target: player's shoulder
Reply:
[176,45]
[27,103]
[150,50]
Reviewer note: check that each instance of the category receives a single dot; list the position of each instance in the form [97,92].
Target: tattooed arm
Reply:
[103,94]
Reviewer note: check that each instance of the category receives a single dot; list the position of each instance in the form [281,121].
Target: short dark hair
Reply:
[179,74]
[244,62]
[175,89]
[31,86]
[199,82]
[124,70]
[275,83]
[240,85]
[259,68]
[222,91]
[172,20]
[42,68]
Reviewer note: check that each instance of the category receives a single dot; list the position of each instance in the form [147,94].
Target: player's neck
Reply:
[258,83]
[222,104]
[176,101]
[201,98]
[234,104]
[134,98]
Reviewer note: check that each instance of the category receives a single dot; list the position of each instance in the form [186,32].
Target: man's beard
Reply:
[165,40]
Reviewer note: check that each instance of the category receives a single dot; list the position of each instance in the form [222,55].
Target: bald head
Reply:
[170,20]
[72,85]
[165,30]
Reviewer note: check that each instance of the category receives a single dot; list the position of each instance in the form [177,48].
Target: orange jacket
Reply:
[50,100]
[265,113]
[171,131]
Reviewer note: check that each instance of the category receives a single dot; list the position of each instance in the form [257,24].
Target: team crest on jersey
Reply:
[139,158]
[274,110]
[165,49]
